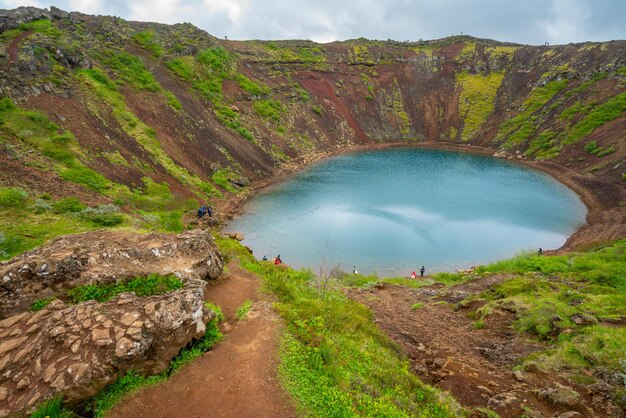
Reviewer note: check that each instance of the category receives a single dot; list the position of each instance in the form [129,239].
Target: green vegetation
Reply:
[335,361]
[207,73]
[132,70]
[517,129]
[12,197]
[566,300]
[153,284]
[39,304]
[52,408]
[593,148]
[146,38]
[310,54]
[35,130]
[222,178]
[36,219]
[268,109]
[317,110]
[476,101]
[601,114]
[42,26]
[106,90]
[242,311]
[416,306]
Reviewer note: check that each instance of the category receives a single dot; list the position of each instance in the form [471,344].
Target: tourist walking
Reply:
[422,271]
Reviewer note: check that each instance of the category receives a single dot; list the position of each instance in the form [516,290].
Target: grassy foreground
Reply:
[334,360]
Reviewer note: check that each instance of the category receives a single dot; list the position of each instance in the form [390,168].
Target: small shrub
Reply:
[68,205]
[153,284]
[242,311]
[480,324]
[416,306]
[41,206]
[12,197]
[39,304]
[317,110]
[52,408]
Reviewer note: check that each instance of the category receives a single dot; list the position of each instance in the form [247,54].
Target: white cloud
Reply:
[86,6]
[568,21]
[12,4]
[232,8]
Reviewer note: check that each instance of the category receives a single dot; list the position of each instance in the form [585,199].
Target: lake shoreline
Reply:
[605,218]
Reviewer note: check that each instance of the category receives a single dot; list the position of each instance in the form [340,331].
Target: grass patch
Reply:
[52,408]
[268,109]
[147,40]
[334,360]
[36,131]
[12,197]
[416,306]
[601,114]
[131,69]
[153,284]
[39,304]
[522,122]
[242,311]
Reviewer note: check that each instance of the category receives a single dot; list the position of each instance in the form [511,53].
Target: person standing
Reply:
[354,270]
[413,275]
[422,271]
[278,261]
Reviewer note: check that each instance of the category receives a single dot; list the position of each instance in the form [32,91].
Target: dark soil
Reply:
[474,365]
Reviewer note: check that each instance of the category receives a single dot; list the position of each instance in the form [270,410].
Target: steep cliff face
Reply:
[155,118]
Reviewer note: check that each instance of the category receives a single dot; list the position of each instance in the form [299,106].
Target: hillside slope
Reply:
[153,119]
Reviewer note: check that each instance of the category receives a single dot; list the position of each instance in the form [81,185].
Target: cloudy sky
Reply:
[522,21]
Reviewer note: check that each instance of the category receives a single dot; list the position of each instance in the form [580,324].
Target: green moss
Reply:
[601,114]
[222,178]
[537,99]
[150,285]
[115,158]
[132,70]
[39,304]
[37,131]
[242,311]
[143,134]
[268,109]
[182,67]
[476,99]
[147,39]
[172,100]
[12,197]
[250,86]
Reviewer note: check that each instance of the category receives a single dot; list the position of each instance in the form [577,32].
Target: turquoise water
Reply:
[392,211]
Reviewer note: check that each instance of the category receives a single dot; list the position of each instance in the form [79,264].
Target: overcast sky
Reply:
[522,21]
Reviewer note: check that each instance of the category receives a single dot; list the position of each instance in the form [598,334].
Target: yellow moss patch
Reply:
[476,101]
[501,51]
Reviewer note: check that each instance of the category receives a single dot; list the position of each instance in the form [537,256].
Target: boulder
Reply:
[103,257]
[63,357]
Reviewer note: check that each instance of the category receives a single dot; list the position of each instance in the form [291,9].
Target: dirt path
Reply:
[238,378]
[474,365]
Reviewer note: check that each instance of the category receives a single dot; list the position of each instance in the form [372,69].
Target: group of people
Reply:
[413,274]
[277,261]
[422,271]
[203,210]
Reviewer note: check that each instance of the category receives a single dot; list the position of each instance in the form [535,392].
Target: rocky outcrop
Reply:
[77,350]
[103,257]
[11,19]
